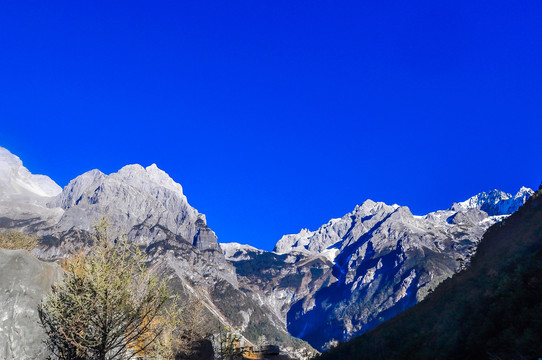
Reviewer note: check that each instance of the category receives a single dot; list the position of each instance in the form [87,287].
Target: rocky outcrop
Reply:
[24,282]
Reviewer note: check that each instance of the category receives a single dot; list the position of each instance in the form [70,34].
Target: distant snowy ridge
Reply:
[333,231]
[496,202]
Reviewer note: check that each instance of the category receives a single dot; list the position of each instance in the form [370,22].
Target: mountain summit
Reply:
[135,199]
[492,310]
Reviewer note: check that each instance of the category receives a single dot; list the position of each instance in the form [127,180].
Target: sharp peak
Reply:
[372,204]
[153,168]
[488,192]
[94,172]
[151,173]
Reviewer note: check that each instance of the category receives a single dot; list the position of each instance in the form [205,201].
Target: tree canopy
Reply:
[110,306]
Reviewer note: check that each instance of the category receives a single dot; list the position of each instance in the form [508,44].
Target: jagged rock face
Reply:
[143,203]
[133,199]
[276,281]
[382,260]
[24,281]
[198,273]
[333,283]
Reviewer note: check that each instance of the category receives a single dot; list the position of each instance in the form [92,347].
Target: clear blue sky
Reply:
[279,115]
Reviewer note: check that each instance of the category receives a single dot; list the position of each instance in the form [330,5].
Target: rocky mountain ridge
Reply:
[491,310]
[357,271]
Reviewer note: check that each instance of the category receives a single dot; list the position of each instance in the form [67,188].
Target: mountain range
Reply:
[322,286]
[149,208]
[491,310]
[357,271]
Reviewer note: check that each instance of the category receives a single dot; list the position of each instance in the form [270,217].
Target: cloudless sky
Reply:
[279,115]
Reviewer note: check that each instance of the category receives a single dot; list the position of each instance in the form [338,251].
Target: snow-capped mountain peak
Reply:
[496,202]
[15,179]
[329,234]
[524,193]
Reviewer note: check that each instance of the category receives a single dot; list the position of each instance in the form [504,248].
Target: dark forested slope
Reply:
[492,310]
